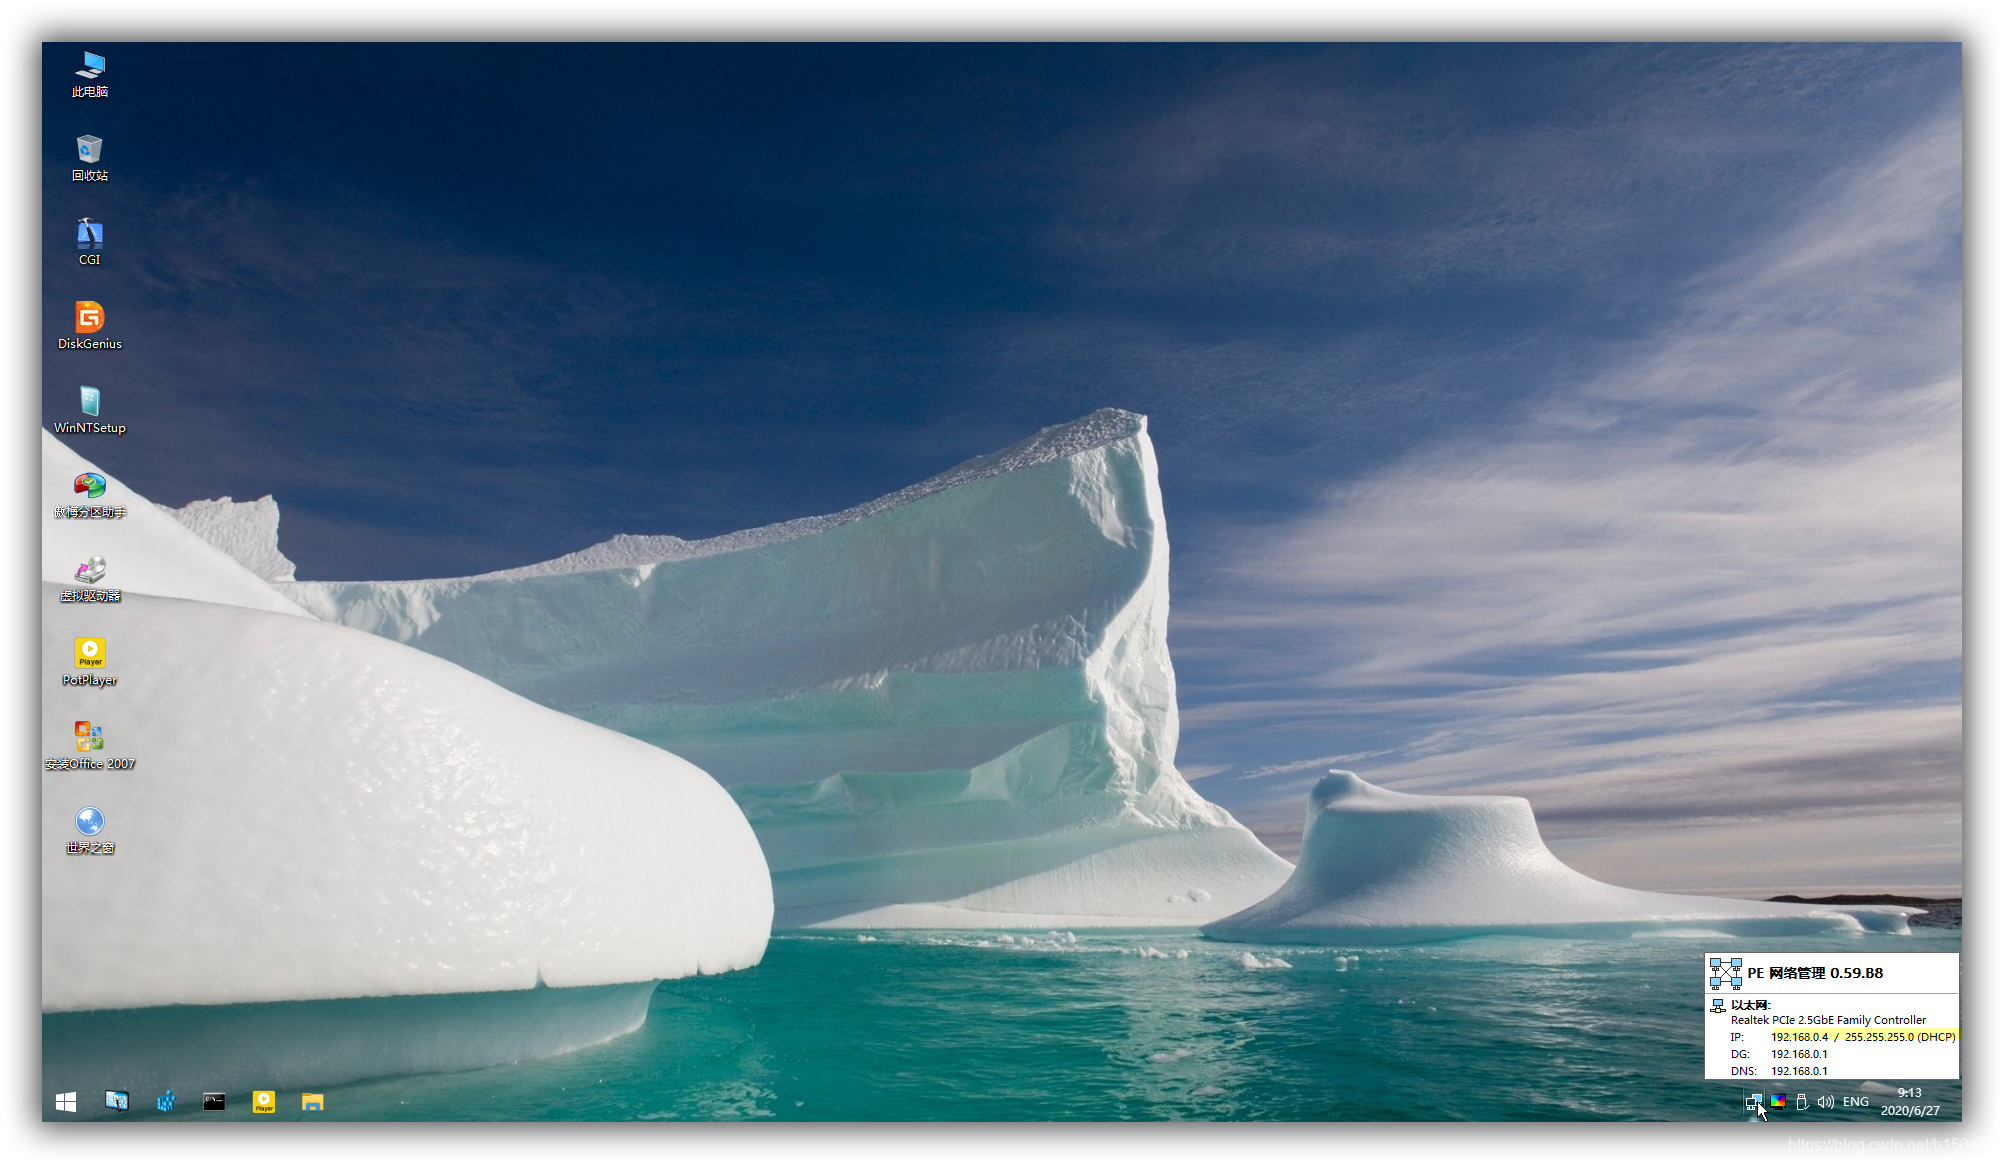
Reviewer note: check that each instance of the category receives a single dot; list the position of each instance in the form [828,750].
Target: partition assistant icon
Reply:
[90,484]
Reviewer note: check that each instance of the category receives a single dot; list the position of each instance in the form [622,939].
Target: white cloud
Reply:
[1726,564]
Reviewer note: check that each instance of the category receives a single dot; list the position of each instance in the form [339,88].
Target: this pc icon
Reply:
[93,65]
[92,398]
[90,149]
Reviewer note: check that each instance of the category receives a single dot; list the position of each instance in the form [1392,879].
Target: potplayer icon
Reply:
[90,653]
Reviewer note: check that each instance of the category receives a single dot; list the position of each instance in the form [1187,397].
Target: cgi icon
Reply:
[90,237]
[90,316]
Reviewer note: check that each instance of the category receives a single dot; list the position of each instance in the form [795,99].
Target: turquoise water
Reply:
[926,1026]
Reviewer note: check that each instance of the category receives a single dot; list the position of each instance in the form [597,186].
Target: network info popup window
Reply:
[1788,1023]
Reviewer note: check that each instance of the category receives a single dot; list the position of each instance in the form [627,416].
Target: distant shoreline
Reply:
[1869,899]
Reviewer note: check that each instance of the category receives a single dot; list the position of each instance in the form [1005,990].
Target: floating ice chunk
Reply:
[1151,952]
[1182,954]
[1174,1056]
[1378,866]
[1251,961]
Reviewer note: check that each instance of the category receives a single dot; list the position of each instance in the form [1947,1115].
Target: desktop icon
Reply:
[117,1100]
[90,484]
[264,1102]
[312,1101]
[165,1102]
[90,316]
[1777,1101]
[90,235]
[93,65]
[90,571]
[90,149]
[90,822]
[90,652]
[212,1101]
[91,399]
[90,736]
[66,1101]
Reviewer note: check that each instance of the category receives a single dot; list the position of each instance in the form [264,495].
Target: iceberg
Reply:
[949,707]
[319,814]
[1379,866]
[361,858]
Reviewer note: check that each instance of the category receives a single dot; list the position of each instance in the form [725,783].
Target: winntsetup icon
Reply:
[91,399]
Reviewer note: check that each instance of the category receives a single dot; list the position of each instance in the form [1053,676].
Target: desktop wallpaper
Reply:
[910,582]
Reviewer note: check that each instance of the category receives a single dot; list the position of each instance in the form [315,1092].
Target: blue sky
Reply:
[1577,421]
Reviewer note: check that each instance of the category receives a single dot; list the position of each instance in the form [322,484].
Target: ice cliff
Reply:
[1379,866]
[951,706]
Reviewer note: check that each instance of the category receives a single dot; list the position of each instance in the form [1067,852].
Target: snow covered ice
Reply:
[952,706]
[1382,866]
[322,815]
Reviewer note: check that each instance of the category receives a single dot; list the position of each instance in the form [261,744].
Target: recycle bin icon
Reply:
[90,149]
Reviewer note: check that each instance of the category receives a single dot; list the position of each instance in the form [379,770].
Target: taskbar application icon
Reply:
[264,1102]
[212,1101]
